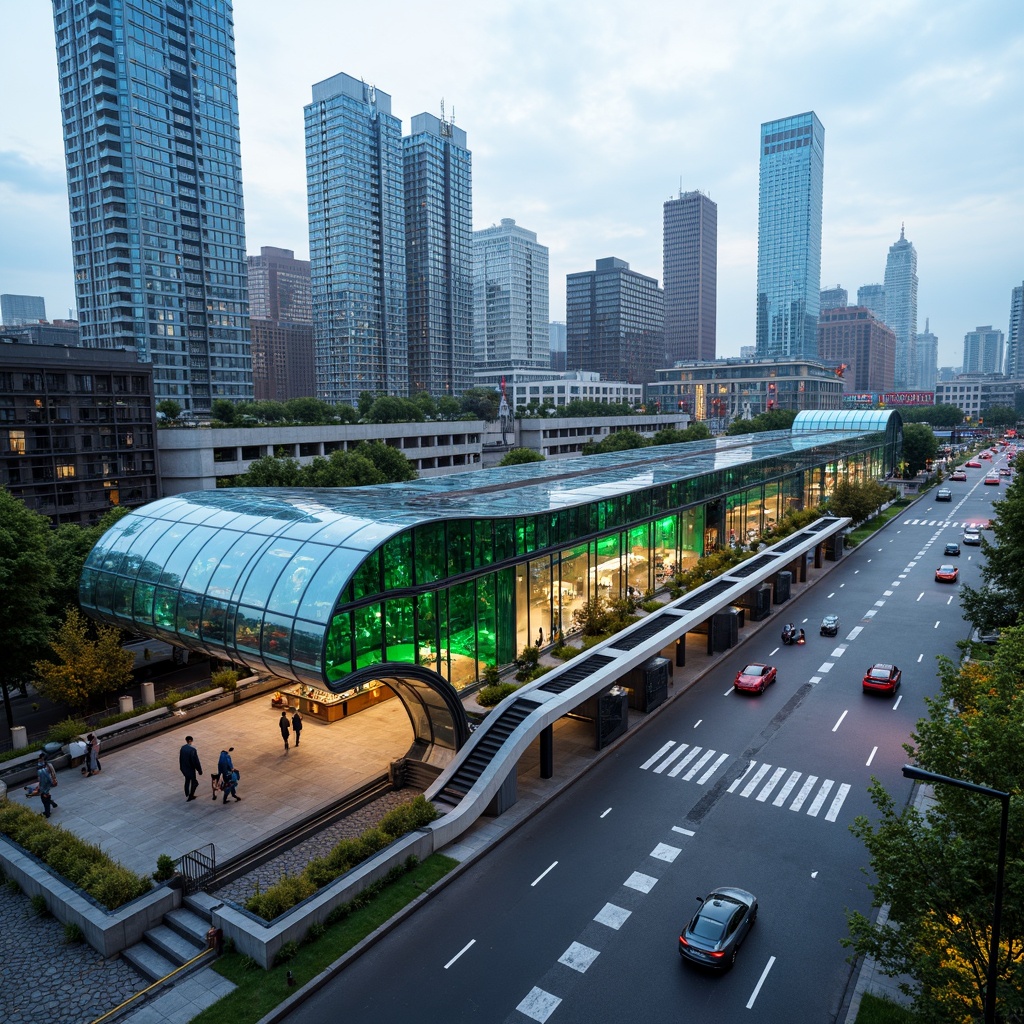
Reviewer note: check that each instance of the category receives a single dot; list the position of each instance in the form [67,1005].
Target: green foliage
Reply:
[67,730]
[370,462]
[589,408]
[226,678]
[86,667]
[289,951]
[936,870]
[72,934]
[169,408]
[492,676]
[39,906]
[565,651]
[388,409]
[480,404]
[874,1010]
[618,441]
[860,499]
[520,456]
[775,419]
[936,415]
[1000,416]
[290,890]
[81,863]
[165,867]
[919,446]
[695,432]
[491,696]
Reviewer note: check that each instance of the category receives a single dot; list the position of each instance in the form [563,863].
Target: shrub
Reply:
[39,907]
[284,894]
[491,675]
[165,867]
[489,696]
[66,731]
[72,933]
[226,678]
[289,951]
[565,651]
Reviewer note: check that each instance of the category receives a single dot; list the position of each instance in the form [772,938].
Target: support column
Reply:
[547,752]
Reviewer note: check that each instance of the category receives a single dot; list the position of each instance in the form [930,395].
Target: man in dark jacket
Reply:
[188,762]
[285,728]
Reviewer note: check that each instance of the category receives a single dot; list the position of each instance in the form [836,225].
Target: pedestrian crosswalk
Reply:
[761,781]
[948,524]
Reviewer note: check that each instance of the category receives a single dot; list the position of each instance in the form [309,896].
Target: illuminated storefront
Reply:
[452,574]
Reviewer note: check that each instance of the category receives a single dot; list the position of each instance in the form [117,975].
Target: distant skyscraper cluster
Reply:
[789,236]
[150,113]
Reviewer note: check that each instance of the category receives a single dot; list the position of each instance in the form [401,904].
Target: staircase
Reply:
[168,946]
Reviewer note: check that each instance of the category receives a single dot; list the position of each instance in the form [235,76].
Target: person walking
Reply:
[92,756]
[43,774]
[297,726]
[285,728]
[188,762]
[225,769]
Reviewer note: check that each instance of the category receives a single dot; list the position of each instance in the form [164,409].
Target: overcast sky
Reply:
[584,117]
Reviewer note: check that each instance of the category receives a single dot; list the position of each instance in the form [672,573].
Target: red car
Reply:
[993,479]
[984,455]
[882,679]
[958,474]
[947,574]
[755,678]
[973,464]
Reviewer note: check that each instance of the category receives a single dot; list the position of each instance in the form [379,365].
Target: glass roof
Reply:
[843,419]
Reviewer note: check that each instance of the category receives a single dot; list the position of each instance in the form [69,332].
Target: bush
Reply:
[289,951]
[284,894]
[39,907]
[72,933]
[165,867]
[226,678]
[489,696]
[491,675]
[565,651]
[67,731]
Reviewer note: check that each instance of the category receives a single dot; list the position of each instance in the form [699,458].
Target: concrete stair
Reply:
[169,945]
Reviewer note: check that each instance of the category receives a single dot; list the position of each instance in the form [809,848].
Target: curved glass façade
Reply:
[452,573]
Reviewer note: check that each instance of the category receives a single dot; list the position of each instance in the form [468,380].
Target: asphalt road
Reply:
[576,917]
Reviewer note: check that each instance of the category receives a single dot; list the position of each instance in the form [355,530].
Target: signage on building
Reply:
[909,398]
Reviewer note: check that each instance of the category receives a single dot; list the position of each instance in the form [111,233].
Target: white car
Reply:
[972,535]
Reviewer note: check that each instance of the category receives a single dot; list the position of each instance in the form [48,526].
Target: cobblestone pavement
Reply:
[43,978]
[292,861]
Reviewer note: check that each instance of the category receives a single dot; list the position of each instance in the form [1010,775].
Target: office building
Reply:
[690,276]
[78,430]
[901,307]
[974,393]
[927,359]
[852,339]
[356,198]
[833,298]
[151,140]
[60,332]
[556,344]
[510,299]
[279,286]
[983,350]
[614,322]
[439,256]
[16,310]
[872,296]
[1015,337]
[789,236]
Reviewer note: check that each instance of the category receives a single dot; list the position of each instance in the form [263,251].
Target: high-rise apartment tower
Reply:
[983,350]
[150,112]
[439,256]
[1015,338]
[789,236]
[901,308]
[690,265]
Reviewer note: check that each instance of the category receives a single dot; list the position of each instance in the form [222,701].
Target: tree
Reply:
[224,411]
[169,409]
[936,871]
[774,419]
[390,462]
[309,410]
[619,441]
[859,499]
[86,667]
[448,407]
[68,547]
[270,471]
[427,406]
[936,415]
[694,432]
[480,404]
[340,469]
[387,409]
[1000,416]
[269,411]
[26,579]
[920,446]
[521,456]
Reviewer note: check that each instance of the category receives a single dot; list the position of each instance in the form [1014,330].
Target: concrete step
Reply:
[188,924]
[172,945]
[148,961]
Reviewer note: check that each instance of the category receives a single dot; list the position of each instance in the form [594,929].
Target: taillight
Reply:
[682,941]
[716,953]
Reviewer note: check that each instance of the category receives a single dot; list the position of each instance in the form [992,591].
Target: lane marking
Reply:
[837,802]
[840,722]
[919,596]
[830,596]
[579,957]
[825,667]
[543,873]
[694,751]
[697,767]
[920,658]
[897,704]
[665,852]
[766,790]
[950,601]
[936,626]
[671,757]
[805,790]
[735,785]
[606,813]
[760,982]
[776,651]
[641,882]
[460,952]
[612,916]
[725,693]
[711,771]
[539,1005]
[699,720]
[786,789]
[684,831]
[854,633]
[815,679]
[758,776]
[651,760]
[819,798]
[839,651]
[871,757]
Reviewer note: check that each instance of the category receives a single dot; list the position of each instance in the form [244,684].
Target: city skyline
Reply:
[586,156]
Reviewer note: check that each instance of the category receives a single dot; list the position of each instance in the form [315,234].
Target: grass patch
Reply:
[259,991]
[881,1011]
[865,530]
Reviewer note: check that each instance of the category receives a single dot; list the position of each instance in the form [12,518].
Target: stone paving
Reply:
[45,978]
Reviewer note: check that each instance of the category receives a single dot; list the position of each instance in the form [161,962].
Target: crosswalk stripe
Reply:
[771,784]
[711,771]
[735,785]
[647,764]
[694,751]
[805,790]
[697,767]
[819,798]
[671,757]
[786,789]
[758,776]
[833,811]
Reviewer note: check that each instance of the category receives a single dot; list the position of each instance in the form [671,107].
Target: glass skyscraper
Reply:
[789,236]
[439,256]
[356,197]
[151,141]
[510,299]
[873,297]
[901,308]
[1015,338]
[690,279]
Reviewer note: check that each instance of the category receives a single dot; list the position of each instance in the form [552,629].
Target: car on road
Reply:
[972,464]
[943,494]
[755,678]
[947,574]
[952,548]
[830,625]
[958,474]
[882,678]
[1004,471]
[992,478]
[972,535]
[714,934]
[985,455]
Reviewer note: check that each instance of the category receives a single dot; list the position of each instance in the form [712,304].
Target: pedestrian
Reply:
[188,762]
[285,728]
[92,756]
[229,781]
[297,726]
[540,636]
[225,769]
[46,776]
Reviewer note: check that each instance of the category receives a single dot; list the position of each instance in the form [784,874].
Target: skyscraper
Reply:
[151,140]
[510,299]
[927,347]
[16,310]
[439,256]
[983,350]
[556,344]
[789,236]
[901,308]
[873,297]
[690,263]
[279,286]
[852,336]
[356,197]
[615,322]
[1015,338]
[833,298]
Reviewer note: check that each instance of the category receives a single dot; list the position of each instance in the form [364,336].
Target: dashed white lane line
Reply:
[684,831]
[814,680]
[665,852]
[871,757]
[760,982]
[870,613]
[840,721]
[937,621]
[826,666]
[839,651]
[460,952]
[579,957]
[612,916]
[854,633]
[919,596]
[550,867]
[920,658]
[539,1005]
[606,813]
[897,704]
[641,882]
[879,604]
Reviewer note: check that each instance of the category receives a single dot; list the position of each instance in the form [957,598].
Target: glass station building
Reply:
[448,575]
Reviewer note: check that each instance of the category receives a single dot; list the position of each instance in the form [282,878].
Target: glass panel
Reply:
[214,625]
[486,623]
[158,556]
[104,593]
[163,609]
[462,634]
[339,647]
[398,562]
[296,576]
[483,542]
[142,602]
[86,587]
[504,539]
[325,588]
[430,553]
[232,566]
[206,562]
[247,629]
[399,630]
[123,592]
[426,631]
[368,635]
[366,580]
[540,601]
[505,604]
[178,562]
[277,637]
[572,585]
[638,563]
[307,639]
[460,546]
[263,578]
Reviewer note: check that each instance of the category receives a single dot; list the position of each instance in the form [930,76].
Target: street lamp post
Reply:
[912,772]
